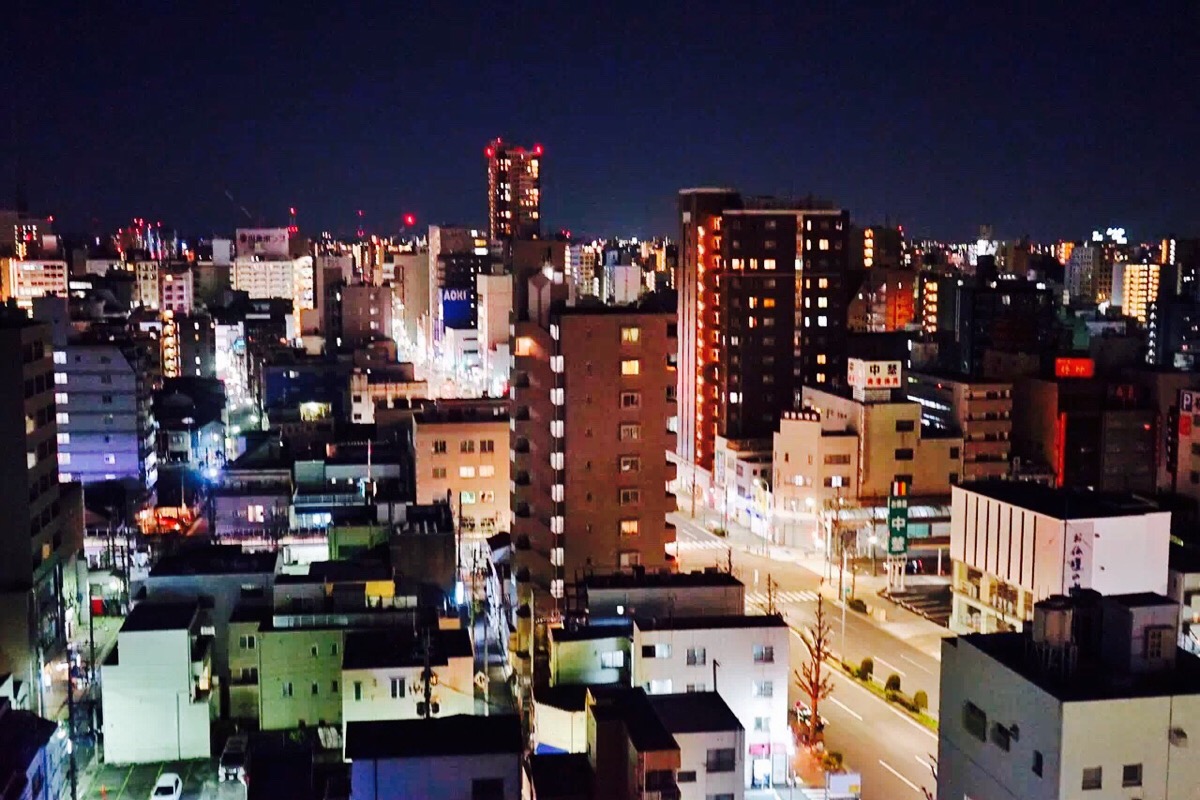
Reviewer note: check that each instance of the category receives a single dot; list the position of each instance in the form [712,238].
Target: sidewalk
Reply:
[899,622]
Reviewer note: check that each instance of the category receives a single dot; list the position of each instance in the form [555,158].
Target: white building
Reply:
[176,291]
[743,658]
[145,287]
[704,726]
[23,281]
[494,307]
[1095,702]
[157,689]
[382,675]
[1014,543]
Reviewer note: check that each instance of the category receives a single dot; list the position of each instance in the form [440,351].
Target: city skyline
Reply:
[937,121]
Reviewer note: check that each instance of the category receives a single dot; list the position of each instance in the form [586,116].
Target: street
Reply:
[892,751]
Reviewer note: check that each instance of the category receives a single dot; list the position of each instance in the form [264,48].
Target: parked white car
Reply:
[169,786]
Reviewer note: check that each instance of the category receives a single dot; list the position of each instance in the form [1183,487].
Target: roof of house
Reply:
[403,648]
[585,633]
[217,559]
[152,616]
[710,623]
[1062,503]
[458,735]
[694,712]
[22,735]
[568,697]
[642,723]
[677,580]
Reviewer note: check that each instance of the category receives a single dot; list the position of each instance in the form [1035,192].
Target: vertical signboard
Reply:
[898,519]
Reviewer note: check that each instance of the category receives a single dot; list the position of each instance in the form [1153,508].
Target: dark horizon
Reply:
[1046,122]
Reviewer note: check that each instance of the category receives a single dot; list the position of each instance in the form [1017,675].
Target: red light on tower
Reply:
[410,220]
[490,152]
[538,149]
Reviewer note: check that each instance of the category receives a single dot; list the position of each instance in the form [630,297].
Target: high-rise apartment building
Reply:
[457,256]
[33,543]
[25,280]
[1135,288]
[514,191]
[979,410]
[762,311]
[593,391]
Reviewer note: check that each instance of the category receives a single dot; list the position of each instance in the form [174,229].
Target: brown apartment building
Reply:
[593,400]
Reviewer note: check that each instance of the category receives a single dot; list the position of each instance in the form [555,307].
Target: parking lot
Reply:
[112,782]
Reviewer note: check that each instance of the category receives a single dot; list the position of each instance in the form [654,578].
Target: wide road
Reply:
[892,752]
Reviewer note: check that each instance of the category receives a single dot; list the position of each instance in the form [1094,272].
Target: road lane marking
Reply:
[886,704]
[892,770]
[898,671]
[846,708]
[923,762]
[917,664]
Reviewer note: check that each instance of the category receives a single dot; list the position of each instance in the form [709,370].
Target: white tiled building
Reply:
[745,659]
[1014,543]
[1095,702]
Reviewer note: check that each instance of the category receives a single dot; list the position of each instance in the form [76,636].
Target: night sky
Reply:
[936,115]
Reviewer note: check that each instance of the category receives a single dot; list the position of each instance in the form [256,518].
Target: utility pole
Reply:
[427,677]
[62,626]
[770,595]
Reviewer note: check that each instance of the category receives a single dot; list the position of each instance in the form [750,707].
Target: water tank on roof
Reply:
[1053,621]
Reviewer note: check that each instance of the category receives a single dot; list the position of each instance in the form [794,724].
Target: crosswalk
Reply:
[692,545]
[759,599]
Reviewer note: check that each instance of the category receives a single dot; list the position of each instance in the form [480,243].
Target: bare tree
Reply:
[814,680]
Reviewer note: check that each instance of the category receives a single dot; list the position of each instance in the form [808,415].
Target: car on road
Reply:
[804,714]
[169,786]
[232,765]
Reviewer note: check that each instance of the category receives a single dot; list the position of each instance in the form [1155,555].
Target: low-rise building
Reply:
[1183,586]
[452,757]
[1095,701]
[619,596]
[157,687]
[34,765]
[1015,543]
[711,742]
[811,469]
[383,675]
[590,654]
[742,658]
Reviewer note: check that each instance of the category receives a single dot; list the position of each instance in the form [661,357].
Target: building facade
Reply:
[514,191]
[980,410]
[25,280]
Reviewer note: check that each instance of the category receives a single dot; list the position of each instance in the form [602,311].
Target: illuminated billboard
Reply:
[458,308]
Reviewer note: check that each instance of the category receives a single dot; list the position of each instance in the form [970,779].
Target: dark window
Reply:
[686,776]
[975,721]
[905,426]
[904,454]
[721,760]
[1131,775]
[954,452]
[1093,777]
[1001,737]
[1038,763]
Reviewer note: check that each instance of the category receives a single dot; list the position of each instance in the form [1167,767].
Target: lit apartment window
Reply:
[631,366]
[631,334]
[822,283]
[821,358]
[467,498]
[60,378]
[64,459]
[60,357]
[768,263]
[466,472]
[487,471]
[524,346]
[64,438]
[629,527]
[60,398]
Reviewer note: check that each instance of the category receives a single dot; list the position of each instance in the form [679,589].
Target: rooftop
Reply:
[643,725]
[561,775]
[1091,680]
[403,648]
[215,559]
[648,580]
[568,697]
[1062,503]
[151,616]
[458,735]
[340,572]
[585,633]
[694,712]
[730,621]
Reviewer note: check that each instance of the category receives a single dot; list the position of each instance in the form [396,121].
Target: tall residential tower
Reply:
[514,191]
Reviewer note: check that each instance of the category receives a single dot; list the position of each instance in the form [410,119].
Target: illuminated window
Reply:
[769,263]
[487,471]
[823,244]
[822,302]
[60,398]
[820,358]
[820,377]
[62,418]
[468,498]
[822,283]
[524,346]
[822,321]
[631,366]
[629,527]
[631,335]
[768,302]
[466,472]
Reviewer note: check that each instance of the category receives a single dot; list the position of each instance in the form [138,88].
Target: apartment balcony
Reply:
[521,478]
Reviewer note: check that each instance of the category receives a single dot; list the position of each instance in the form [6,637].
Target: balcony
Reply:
[521,478]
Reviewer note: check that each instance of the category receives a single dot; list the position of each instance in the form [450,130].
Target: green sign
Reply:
[898,520]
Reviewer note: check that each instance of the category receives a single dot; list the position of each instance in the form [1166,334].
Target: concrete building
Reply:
[367,313]
[1183,586]
[495,308]
[458,758]
[706,730]
[1096,701]
[461,452]
[1015,543]
[1135,287]
[22,281]
[266,267]
[1091,432]
[410,283]
[590,654]
[383,675]
[744,320]
[742,658]
[176,290]
[106,427]
[514,191]
[389,386]
[616,597]
[35,544]
[981,411]
[811,469]
[157,696]
[197,343]
[893,443]
[146,284]
[599,503]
